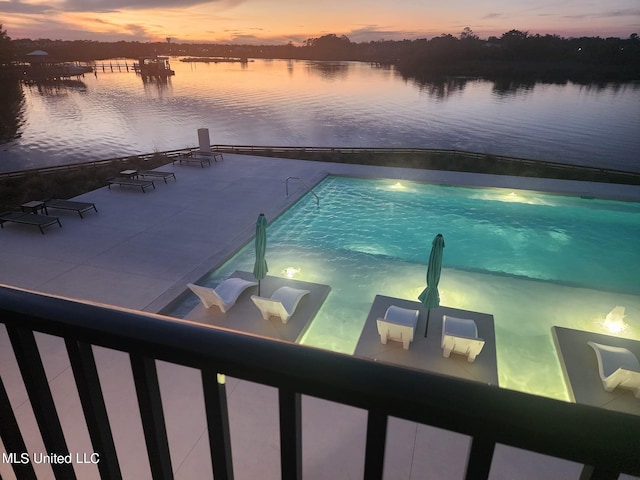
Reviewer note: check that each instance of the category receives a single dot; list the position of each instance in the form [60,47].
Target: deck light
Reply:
[614,322]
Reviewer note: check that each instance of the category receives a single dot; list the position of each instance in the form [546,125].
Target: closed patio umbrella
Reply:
[260,268]
[430,297]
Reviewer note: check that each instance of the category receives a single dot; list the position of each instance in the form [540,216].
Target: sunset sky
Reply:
[281,21]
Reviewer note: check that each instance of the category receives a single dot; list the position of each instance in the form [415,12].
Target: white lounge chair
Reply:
[398,324]
[283,303]
[224,295]
[460,335]
[618,367]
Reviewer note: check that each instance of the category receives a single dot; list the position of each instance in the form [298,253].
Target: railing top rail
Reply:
[91,163]
[577,432]
[289,148]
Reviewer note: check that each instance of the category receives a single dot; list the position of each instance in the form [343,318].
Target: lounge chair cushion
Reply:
[618,367]
[282,304]
[460,335]
[398,324]
[224,295]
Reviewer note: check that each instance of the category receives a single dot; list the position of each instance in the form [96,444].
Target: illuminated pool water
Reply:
[531,260]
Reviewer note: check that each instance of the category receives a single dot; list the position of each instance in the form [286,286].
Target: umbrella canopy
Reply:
[260,268]
[430,297]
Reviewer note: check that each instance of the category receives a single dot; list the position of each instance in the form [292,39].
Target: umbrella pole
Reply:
[426,329]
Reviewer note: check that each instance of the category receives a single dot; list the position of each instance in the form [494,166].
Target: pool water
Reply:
[531,260]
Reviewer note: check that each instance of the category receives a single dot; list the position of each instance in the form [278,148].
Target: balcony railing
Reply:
[606,442]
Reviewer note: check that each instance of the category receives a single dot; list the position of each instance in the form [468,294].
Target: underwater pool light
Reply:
[614,322]
[290,272]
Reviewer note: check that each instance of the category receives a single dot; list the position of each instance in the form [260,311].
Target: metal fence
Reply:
[273,150]
[606,442]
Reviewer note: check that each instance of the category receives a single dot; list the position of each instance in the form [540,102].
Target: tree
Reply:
[330,47]
[514,44]
[6,51]
[467,34]
[514,36]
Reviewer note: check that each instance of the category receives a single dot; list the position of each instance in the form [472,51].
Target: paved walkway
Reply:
[140,250]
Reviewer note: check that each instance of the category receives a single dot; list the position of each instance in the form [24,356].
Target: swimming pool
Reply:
[531,260]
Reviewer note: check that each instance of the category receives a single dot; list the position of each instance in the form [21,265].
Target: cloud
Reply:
[115,5]
[491,16]
[52,28]
[368,33]
[136,31]
[20,7]
[627,12]
[105,6]
[243,38]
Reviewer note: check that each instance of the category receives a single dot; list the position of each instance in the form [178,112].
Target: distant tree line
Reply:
[515,53]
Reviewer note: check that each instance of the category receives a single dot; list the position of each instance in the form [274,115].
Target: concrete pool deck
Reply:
[141,249]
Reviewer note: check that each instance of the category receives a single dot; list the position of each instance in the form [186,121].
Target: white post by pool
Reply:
[203,141]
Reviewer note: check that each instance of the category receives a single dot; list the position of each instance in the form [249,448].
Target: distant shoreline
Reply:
[525,72]
[515,54]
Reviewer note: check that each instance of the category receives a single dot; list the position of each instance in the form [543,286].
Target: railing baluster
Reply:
[12,439]
[290,434]
[376,440]
[480,458]
[528,422]
[44,409]
[86,375]
[215,400]
[145,377]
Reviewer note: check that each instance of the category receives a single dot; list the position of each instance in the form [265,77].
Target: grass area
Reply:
[81,179]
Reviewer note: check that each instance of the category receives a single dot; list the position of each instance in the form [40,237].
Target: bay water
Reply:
[307,103]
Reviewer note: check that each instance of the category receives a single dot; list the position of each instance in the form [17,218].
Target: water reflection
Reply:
[505,87]
[53,88]
[156,84]
[613,87]
[13,109]
[442,88]
[330,70]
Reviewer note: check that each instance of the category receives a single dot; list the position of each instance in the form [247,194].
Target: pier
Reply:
[124,66]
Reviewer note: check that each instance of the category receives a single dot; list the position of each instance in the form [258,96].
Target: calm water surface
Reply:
[279,102]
